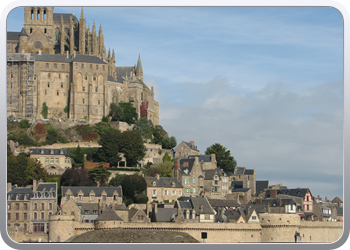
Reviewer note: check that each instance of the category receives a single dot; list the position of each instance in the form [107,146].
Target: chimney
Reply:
[273,193]
[67,54]
[9,186]
[74,53]
[185,164]
[39,52]
[192,142]
[258,201]
[35,185]
[176,165]
[213,158]
[157,176]
[278,201]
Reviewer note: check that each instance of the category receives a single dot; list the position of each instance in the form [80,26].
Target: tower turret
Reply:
[139,70]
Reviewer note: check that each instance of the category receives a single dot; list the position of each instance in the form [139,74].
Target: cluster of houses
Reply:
[199,191]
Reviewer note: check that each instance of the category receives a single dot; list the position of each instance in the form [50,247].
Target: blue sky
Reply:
[266,83]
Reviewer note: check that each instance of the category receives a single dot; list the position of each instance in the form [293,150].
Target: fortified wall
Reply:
[273,228]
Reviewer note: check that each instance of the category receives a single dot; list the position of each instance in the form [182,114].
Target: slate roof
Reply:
[223,203]
[210,173]
[261,185]
[339,211]
[122,71]
[108,214]
[88,59]
[297,192]
[201,158]
[273,202]
[240,170]
[22,192]
[48,187]
[237,184]
[249,172]
[66,17]
[13,36]
[195,203]
[232,216]
[133,212]
[121,207]
[190,165]
[336,200]
[240,189]
[259,208]
[165,214]
[163,182]
[51,58]
[49,151]
[89,207]
[193,147]
[111,79]
[97,190]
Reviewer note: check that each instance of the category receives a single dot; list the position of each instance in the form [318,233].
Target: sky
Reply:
[264,82]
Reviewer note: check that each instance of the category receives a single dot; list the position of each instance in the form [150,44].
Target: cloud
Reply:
[278,131]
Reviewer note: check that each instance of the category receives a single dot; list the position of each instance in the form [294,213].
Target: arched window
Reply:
[32,14]
[38,14]
[44,14]
[31,30]
[45,31]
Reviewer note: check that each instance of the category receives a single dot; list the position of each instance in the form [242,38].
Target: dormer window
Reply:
[154,184]
[35,195]
[201,208]
[173,184]
[9,197]
[17,197]
[42,151]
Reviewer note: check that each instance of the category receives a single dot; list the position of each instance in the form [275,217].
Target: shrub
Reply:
[45,110]
[141,199]
[24,124]
[128,202]
[87,133]
[40,129]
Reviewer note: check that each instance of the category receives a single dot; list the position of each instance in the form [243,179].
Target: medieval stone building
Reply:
[57,60]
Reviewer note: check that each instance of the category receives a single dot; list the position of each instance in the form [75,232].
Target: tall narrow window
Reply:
[44,14]
[32,14]
[45,31]
[83,101]
[31,30]
[38,14]
[58,93]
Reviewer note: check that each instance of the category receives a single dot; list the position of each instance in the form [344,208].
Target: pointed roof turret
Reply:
[23,32]
[82,13]
[139,70]
[109,53]
[113,55]
[94,27]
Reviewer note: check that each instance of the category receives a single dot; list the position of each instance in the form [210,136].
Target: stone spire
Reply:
[82,30]
[139,70]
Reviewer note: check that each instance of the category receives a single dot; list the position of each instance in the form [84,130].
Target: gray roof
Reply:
[163,182]
[49,187]
[240,170]
[210,173]
[259,208]
[122,71]
[13,36]
[193,147]
[49,151]
[237,184]
[22,192]
[249,171]
[90,207]
[190,165]
[197,203]
[111,79]
[165,214]
[273,202]
[297,192]
[66,17]
[108,214]
[240,189]
[223,203]
[51,58]
[88,59]
[339,211]
[201,158]
[261,185]
[97,190]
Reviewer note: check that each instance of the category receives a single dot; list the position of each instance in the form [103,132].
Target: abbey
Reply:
[57,60]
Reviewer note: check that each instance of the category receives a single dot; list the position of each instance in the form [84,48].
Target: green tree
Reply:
[133,185]
[34,171]
[52,135]
[144,128]
[100,175]
[102,127]
[21,137]
[76,177]
[133,148]
[116,180]
[168,142]
[111,141]
[124,112]
[223,157]
[45,110]
[24,124]
[164,169]
[166,157]
[158,134]
[9,152]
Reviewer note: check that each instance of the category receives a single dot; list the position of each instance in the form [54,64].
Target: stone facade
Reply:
[247,176]
[56,60]
[184,149]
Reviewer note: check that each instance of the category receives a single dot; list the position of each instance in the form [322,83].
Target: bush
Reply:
[87,133]
[128,202]
[45,110]
[24,124]
[40,129]
[141,199]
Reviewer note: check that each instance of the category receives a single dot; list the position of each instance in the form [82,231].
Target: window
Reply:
[47,65]
[154,193]
[86,211]
[56,160]
[17,206]
[83,101]
[173,193]
[85,76]
[25,206]
[80,197]
[31,30]
[17,216]
[82,65]
[58,93]
[253,217]
[96,89]
[103,67]
[104,197]
[92,197]
[307,207]
[9,206]
[9,216]
[115,197]
[50,206]
[95,211]
[35,216]
[94,77]
[98,102]
[76,65]
[61,84]
[83,88]
[96,66]
[216,182]
[45,91]
[62,66]
[35,206]
[51,160]
[42,215]
[154,184]
[207,217]
[25,216]
[187,215]
[187,180]
[307,198]
[55,65]
[90,66]
[48,75]
[193,179]
[165,192]
[193,216]
[140,217]
[197,190]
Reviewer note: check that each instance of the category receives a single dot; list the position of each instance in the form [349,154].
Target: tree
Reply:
[124,112]
[133,185]
[116,180]
[45,110]
[111,141]
[24,124]
[166,157]
[133,148]
[21,137]
[223,157]
[158,134]
[22,170]
[164,169]
[76,177]
[78,157]
[144,128]
[100,175]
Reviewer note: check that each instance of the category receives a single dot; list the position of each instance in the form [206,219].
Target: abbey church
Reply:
[57,60]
